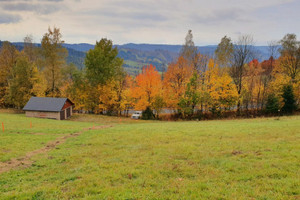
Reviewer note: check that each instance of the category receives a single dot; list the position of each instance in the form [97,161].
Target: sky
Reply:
[150,21]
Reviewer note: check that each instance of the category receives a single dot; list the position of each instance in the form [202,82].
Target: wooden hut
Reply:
[48,107]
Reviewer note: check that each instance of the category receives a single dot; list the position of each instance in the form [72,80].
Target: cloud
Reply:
[39,8]
[9,18]
[52,0]
[30,0]
[219,16]
[125,18]
[152,21]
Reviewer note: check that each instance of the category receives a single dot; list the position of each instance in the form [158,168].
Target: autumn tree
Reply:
[148,87]
[290,55]
[273,49]
[189,50]
[284,70]
[128,101]
[255,84]
[267,74]
[54,55]
[220,87]
[200,65]
[158,105]
[8,59]
[78,89]
[102,62]
[243,53]
[175,82]
[24,83]
[109,97]
[224,52]
[114,95]
[68,74]
[30,50]
[102,67]
[191,98]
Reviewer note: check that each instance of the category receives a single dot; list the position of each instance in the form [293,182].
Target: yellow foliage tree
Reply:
[221,89]
[281,79]
[8,58]
[26,82]
[114,95]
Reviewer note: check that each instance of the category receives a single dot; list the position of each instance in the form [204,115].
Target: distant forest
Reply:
[136,56]
[234,77]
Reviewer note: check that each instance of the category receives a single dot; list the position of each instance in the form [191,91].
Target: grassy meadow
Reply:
[133,159]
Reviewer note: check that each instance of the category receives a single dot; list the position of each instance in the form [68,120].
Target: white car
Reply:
[136,115]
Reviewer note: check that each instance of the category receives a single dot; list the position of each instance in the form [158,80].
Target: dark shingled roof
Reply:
[45,104]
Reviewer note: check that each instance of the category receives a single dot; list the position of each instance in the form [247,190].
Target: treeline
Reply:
[231,80]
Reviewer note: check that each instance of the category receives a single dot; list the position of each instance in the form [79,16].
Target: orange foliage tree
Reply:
[175,82]
[253,87]
[147,88]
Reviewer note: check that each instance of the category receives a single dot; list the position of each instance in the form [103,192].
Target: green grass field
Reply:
[229,159]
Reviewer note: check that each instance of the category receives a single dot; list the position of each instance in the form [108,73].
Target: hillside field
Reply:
[99,157]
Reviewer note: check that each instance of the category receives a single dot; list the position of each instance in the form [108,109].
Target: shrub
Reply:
[148,114]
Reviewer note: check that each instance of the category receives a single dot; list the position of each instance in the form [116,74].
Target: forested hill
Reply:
[160,55]
[74,56]
[138,55]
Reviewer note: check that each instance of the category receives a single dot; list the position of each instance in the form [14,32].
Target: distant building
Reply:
[47,107]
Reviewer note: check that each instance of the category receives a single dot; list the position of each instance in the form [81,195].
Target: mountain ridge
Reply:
[136,56]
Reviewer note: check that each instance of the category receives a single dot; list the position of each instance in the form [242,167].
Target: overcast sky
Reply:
[150,21]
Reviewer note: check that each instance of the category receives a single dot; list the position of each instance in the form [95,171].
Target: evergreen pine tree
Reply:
[272,105]
[288,99]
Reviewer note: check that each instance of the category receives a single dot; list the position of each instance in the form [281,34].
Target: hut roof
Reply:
[47,104]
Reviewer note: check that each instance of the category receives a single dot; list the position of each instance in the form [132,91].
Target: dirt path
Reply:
[26,161]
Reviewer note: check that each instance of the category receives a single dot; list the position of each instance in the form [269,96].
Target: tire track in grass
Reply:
[26,161]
